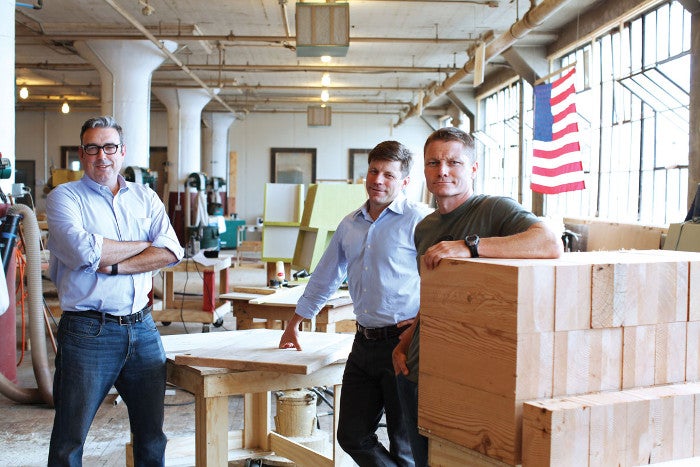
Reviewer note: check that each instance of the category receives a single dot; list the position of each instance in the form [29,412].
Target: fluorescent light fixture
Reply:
[326,58]
[325,95]
[24,92]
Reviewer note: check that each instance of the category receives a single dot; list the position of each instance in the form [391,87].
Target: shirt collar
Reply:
[93,185]
[398,206]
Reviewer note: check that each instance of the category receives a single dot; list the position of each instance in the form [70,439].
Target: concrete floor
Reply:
[25,429]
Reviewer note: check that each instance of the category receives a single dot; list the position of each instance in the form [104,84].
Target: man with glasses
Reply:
[465,225]
[107,237]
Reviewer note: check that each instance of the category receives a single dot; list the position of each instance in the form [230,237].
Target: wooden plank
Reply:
[484,422]
[258,351]
[638,350]
[504,363]
[522,302]
[694,291]
[692,368]
[302,455]
[572,309]
[443,453]
[586,361]
[669,361]
[556,432]
[627,428]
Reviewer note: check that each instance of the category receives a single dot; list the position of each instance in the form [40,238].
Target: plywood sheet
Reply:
[257,350]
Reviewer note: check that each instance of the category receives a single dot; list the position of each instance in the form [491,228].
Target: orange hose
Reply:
[22,294]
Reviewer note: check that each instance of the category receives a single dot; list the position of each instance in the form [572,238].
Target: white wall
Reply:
[253,137]
[40,135]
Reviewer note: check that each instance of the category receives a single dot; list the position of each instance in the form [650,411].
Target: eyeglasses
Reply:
[94,149]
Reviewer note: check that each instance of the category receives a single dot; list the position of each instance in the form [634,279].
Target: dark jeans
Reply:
[369,390]
[92,357]
[408,394]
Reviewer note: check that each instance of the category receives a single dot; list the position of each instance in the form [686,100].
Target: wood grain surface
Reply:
[257,350]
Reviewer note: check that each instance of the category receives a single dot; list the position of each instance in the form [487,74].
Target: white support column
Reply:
[184,131]
[125,70]
[7,87]
[215,143]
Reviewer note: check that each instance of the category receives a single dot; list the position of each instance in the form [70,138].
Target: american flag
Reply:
[556,166]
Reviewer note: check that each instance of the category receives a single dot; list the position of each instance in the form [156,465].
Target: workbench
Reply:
[280,305]
[210,310]
[251,364]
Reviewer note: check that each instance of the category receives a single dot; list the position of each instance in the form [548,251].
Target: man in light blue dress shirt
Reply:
[374,248]
[107,237]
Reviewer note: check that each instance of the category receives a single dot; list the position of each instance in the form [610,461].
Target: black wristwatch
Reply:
[472,242]
[115,269]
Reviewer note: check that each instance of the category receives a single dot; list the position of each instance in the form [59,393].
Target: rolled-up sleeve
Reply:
[68,240]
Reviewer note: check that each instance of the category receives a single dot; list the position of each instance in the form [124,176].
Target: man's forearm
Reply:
[114,251]
[150,259]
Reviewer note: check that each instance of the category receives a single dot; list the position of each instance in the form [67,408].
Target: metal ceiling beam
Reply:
[534,17]
[607,14]
[253,68]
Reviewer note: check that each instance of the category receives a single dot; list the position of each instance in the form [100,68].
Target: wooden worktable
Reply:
[254,368]
[280,306]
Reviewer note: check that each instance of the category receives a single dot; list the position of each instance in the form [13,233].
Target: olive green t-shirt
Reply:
[482,215]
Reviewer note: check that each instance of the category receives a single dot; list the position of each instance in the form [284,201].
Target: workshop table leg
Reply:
[209,291]
[223,281]
[256,420]
[211,431]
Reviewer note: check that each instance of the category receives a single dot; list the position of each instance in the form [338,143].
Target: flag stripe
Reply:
[557,166]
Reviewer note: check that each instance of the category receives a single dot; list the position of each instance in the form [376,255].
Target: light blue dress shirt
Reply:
[80,215]
[379,259]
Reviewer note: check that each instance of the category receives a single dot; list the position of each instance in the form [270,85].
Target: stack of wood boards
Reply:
[507,344]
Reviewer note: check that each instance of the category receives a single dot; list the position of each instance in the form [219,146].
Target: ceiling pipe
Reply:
[532,19]
[169,54]
[38,6]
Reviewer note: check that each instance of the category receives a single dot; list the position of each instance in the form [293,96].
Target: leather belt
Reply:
[122,320]
[373,334]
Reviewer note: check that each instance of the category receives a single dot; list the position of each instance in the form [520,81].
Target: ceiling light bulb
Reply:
[65,108]
[326,79]
[326,58]
[325,96]
[24,92]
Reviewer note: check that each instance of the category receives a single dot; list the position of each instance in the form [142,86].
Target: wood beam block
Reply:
[636,287]
[464,291]
[638,351]
[587,361]
[555,432]
[694,292]
[478,420]
[692,364]
[515,366]
[669,362]
[572,309]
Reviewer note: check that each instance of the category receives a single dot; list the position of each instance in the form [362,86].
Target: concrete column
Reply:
[184,131]
[215,143]
[7,87]
[125,70]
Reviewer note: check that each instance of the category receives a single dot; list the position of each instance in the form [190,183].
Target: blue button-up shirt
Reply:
[379,259]
[80,215]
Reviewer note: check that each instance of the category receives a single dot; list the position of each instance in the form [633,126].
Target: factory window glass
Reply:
[633,110]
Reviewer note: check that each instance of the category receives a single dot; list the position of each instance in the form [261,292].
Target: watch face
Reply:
[472,240]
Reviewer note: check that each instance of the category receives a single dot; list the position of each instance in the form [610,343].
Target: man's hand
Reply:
[290,336]
[398,357]
[445,249]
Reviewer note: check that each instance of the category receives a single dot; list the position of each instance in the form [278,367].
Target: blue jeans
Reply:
[94,356]
[408,394]
[369,390]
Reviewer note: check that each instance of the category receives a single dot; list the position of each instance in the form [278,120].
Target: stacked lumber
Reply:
[506,339]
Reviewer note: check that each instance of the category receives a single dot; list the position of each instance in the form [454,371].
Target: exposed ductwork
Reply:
[37,328]
[534,17]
